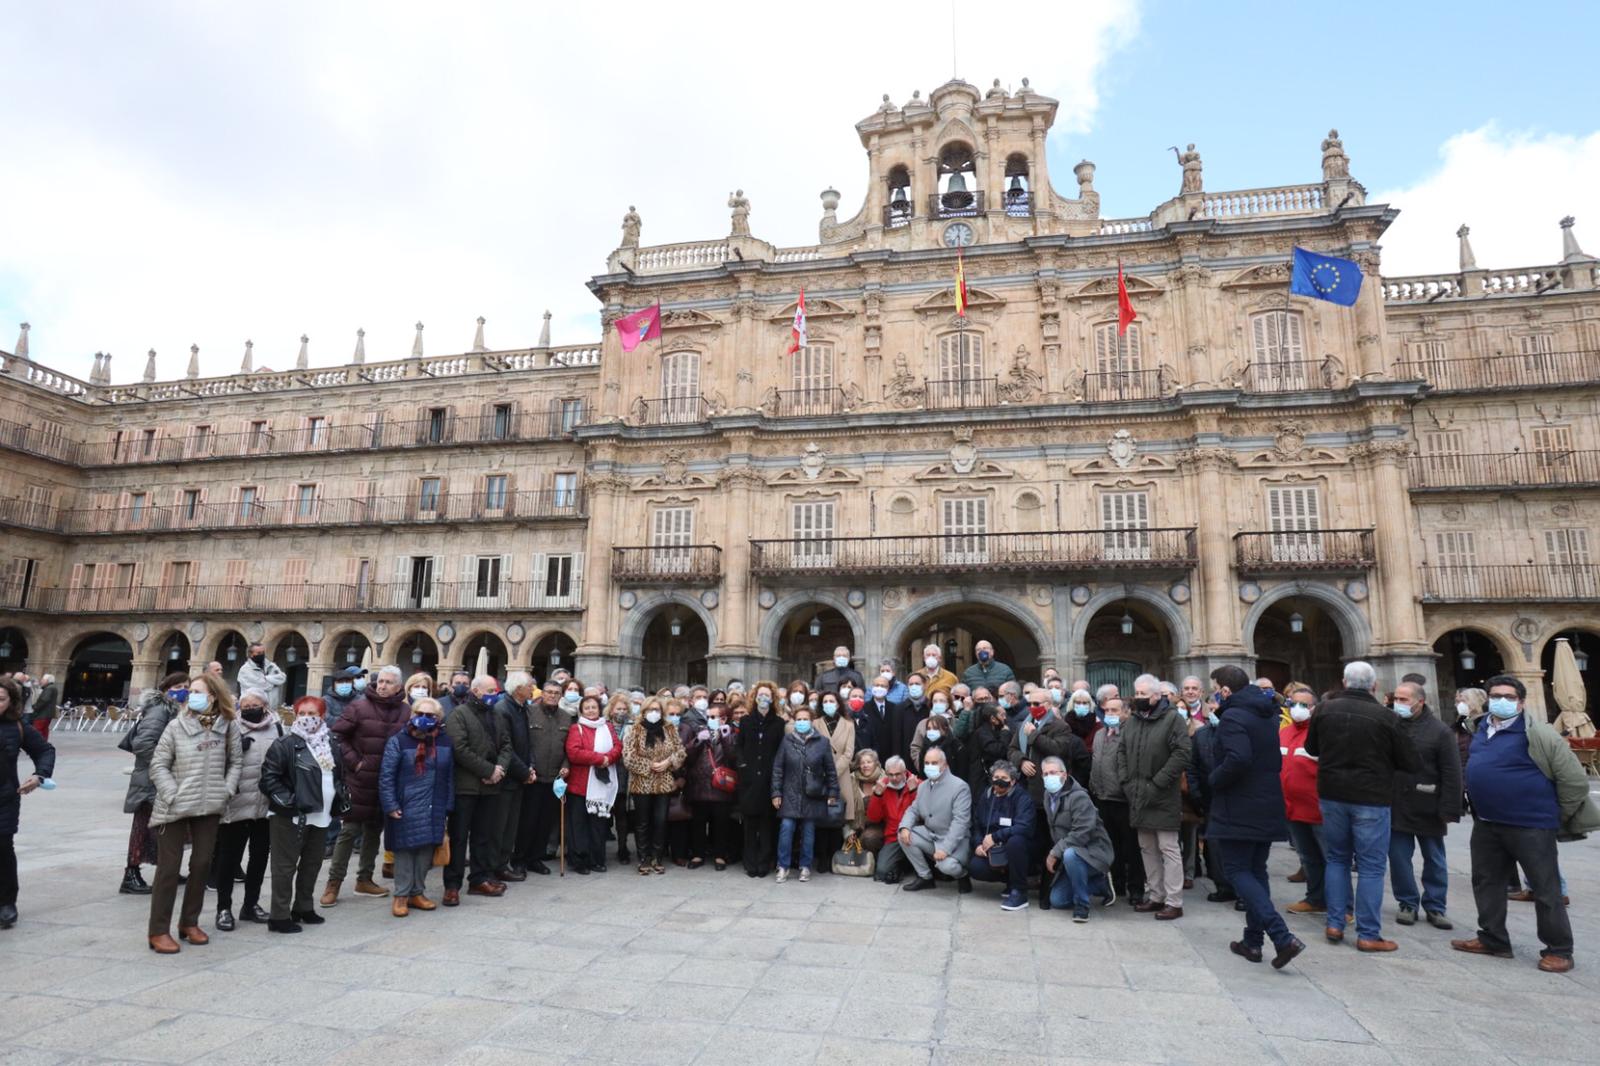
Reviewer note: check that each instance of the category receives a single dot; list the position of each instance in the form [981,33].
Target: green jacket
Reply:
[1151,759]
[481,743]
[1553,756]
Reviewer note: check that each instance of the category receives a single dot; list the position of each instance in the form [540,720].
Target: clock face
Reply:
[957,235]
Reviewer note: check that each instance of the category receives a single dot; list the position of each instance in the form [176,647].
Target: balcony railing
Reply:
[1019,204]
[801,403]
[48,442]
[1326,550]
[1055,551]
[416,509]
[1504,371]
[667,564]
[1514,583]
[671,411]
[944,393]
[507,426]
[1505,470]
[897,214]
[1289,375]
[1112,386]
[537,595]
[955,204]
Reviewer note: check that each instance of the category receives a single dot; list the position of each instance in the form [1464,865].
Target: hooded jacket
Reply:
[1246,791]
[155,711]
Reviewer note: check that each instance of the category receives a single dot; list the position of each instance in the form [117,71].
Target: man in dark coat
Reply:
[364,728]
[1151,758]
[482,759]
[1003,834]
[547,745]
[1247,814]
[841,673]
[1424,802]
[902,719]
[760,735]
[519,774]
[1359,748]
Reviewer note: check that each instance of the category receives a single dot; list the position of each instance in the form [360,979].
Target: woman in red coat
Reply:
[593,749]
[1299,777]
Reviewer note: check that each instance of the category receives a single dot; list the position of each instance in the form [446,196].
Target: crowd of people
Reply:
[1066,798]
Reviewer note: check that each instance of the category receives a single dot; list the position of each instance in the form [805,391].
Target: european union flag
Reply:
[1325,277]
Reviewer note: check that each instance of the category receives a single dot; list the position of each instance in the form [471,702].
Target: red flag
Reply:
[798,331]
[639,327]
[1125,312]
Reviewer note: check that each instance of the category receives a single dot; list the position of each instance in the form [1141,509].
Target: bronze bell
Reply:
[1015,188]
[957,183]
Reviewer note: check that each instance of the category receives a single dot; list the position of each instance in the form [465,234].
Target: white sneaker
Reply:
[805,873]
[783,875]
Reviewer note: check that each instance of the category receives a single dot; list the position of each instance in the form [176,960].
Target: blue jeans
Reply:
[808,842]
[1245,863]
[1435,877]
[1076,882]
[1307,840]
[1355,835]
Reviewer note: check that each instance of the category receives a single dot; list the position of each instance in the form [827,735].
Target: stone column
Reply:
[745,396]
[1396,615]
[1533,679]
[146,674]
[600,632]
[735,633]
[1371,332]
[1218,630]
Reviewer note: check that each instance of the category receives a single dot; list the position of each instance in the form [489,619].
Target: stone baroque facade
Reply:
[1242,477]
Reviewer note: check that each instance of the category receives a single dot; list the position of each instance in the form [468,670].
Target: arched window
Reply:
[1277,352]
[680,386]
[901,207]
[958,180]
[1018,194]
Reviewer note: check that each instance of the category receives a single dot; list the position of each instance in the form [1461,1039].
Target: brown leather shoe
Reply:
[423,903]
[1556,963]
[370,888]
[1168,914]
[399,908]
[193,935]
[1300,906]
[488,888]
[388,871]
[1377,945]
[1145,906]
[164,945]
[452,898]
[1334,936]
[1298,877]
[330,893]
[1478,947]
[1524,896]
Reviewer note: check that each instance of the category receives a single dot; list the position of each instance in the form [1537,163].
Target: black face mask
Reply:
[253,714]
[1001,786]
[1140,703]
[259,660]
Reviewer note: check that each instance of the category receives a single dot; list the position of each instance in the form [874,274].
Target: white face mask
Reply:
[797,698]
[1462,709]
[931,662]
[652,717]
[1300,712]
[418,694]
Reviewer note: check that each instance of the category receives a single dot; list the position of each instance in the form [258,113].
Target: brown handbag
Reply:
[441,854]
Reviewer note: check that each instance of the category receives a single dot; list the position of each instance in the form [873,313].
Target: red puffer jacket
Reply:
[583,757]
[888,807]
[1299,774]
[363,729]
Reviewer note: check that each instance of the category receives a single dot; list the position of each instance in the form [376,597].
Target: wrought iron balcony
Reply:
[1019,204]
[898,213]
[802,403]
[1055,551]
[1505,470]
[1289,375]
[536,595]
[940,394]
[671,411]
[667,564]
[1297,551]
[47,441]
[955,204]
[1113,386]
[415,509]
[1514,583]
[1504,371]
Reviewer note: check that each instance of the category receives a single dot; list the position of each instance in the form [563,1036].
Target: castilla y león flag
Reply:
[797,332]
[639,327]
[1125,312]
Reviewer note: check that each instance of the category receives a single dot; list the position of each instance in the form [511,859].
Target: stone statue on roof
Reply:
[1189,160]
[741,213]
[630,228]
[1335,164]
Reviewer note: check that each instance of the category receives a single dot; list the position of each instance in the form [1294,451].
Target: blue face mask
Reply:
[915,691]
[1403,710]
[424,723]
[1082,709]
[1501,707]
[841,661]
[198,701]
[674,719]
[571,697]
[1053,783]
[803,726]
[342,689]
[932,771]
[932,734]
[984,656]
[1005,701]
[361,684]
[178,695]
[559,788]
[1112,721]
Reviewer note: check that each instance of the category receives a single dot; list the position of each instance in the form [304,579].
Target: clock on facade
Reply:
[957,235]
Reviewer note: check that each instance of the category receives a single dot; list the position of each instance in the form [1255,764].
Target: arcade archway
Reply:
[1586,650]
[100,669]
[416,652]
[806,641]
[1466,659]
[958,625]
[232,649]
[553,651]
[292,656]
[1296,639]
[675,648]
[13,650]
[495,663]
[1126,638]
[174,654]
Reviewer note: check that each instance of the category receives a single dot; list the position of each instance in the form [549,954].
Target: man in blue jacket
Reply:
[1002,835]
[1247,812]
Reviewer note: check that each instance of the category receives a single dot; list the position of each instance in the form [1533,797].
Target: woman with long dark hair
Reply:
[15,738]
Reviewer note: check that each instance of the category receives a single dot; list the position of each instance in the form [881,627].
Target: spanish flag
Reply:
[961,285]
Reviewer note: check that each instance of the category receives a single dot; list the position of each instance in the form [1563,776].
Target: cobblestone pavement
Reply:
[711,968]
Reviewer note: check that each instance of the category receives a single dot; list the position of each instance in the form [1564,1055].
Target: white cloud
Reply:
[206,174]
[1512,188]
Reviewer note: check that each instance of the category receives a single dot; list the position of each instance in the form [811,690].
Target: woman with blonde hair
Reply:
[195,771]
[652,752]
[420,686]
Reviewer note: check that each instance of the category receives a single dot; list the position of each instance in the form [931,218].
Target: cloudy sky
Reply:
[204,173]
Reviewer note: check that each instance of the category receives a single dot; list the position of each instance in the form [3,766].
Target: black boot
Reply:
[133,884]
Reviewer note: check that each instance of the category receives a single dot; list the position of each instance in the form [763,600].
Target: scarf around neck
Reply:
[316,738]
[599,795]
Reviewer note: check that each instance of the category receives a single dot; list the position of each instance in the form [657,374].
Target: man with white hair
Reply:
[482,750]
[1359,748]
[1151,759]
[1107,691]
[886,805]
[935,830]
[511,708]
[1191,694]
[937,678]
